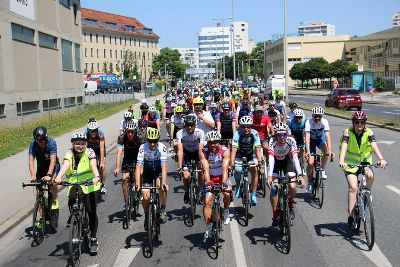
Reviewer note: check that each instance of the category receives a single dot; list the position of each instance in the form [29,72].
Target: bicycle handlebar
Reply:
[85,183]
[364,164]
[32,184]
[218,187]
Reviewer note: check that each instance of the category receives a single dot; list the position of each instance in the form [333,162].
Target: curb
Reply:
[369,123]
[23,213]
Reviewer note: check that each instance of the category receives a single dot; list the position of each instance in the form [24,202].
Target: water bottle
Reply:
[309,188]
[274,190]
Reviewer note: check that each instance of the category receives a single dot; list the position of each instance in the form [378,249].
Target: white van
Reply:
[90,87]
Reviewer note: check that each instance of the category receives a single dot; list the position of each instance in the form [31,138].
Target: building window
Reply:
[125,40]
[50,104]
[120,40]
[98,67]
[84,37]
[69,102]
[65,3]
[110,39]
[97,52]
[23,34]
[115,39]
[130,41]
[25,108]
[48,41]
[116,54]
[134,42]
[85,52]
[294,46]
[75,8]
[2,114]
[104,53]
[91,52]
[97,38]
[79,100]
[78,57]
[135,54]
[92,68]
[147,43]
[86,67]
[121,54]
[91,37]
[110,53]
[139,42]
[66,47]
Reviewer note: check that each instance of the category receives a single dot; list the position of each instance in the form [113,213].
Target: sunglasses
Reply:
[281,135]
[359,122]
[189,125]
[79,143]
[197,104]
[317,116]
[246,127]
[130,132]
[152,141]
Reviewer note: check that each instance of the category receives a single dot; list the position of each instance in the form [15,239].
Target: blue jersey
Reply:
[297,130]
[152,159]
[246,145]
[42,155]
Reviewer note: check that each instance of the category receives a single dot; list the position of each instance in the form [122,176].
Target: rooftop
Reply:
[93,19]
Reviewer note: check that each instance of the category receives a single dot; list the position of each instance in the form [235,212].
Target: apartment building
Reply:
[316,29]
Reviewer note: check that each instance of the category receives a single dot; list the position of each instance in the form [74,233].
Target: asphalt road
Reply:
[320,236]
[378,110]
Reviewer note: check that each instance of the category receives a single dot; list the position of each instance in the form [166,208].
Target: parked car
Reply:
[344,98]
[90,87]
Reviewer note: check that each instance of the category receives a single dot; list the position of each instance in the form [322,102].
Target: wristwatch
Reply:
[49,174]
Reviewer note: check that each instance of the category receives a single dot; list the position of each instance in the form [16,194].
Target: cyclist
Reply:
[235,98]
[142,130]
[187,110]
[244,109]
[280,104]
[127,117]
[153,118]
[128,144]
[273,113]
[214,110]
[296,126]
[79,164]
[96,141]
[246,143]
[159,105]
[215,162]
[44,150]
[177,123]
[282,153]
[205,121]
[356,146]
[226,123]
[144,108]
[152,164]
[188,140]
[292,108]
[168,110]
[317,135]
[262,124]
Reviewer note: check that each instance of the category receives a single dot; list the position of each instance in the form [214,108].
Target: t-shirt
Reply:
[168,107]
[316,130]
[42,155]
[261,125]
[131,148]
[297,130]
[152,159]
[190,142]
[94,143]
[371,137]
[200,123]
[273,115]
[178,122]
[280,152]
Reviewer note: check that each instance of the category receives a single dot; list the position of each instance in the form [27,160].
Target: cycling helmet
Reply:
[169,99]
[298,113]
[191,118]
[255,90]
[226,106]
[359,116]
[132,125]
[281,127]
[127,115]
[186,107]
[246,120]
[152,133]
[198,100]
[173,105]
[317,111]
[271,103]
[91,119]
[93,125]
[178,109]
[144,106]
[235,93]
[142,123]
[152,109]
[213,105]
[40,133]
[208,98]
[213,136]
[78,137]
[292,104]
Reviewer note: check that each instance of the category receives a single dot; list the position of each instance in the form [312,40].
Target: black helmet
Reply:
[142,123]
[91,120]
[190,119]
[40,133]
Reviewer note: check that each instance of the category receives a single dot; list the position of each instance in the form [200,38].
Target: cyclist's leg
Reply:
[352,192]
[90,201]
[309,169]
[54,189]
[161,193]
[227,196]
[147,178]
[254,176]
[273,197]
[324,149]
[369,174]
[238,170]
[125,178]
[208,198]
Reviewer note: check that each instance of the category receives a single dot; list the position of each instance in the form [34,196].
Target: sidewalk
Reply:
[16,203]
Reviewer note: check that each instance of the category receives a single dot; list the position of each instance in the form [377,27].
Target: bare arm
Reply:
[180,156]
[102,152]
[138,172]
[204,164]
[63,170]
[31,165]
[328,142]
[233,155]
[225,166]
[118,160]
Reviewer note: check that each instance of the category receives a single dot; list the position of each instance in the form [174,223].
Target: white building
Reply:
[189,56]
[316,29]
[396,19]
[216,42]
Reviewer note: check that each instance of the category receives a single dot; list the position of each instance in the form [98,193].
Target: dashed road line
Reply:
[237,242]
[375,255]
[125,257]
[394,189]
[390,112]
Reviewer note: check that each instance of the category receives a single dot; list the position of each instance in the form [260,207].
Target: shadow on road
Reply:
[239,214]
[61,250]
[117,216]
[308,198]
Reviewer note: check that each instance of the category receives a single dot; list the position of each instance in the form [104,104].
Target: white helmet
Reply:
[213,105]
[298,113]
[255,90]
[93,125]
[131,125]
[246,120]
[235,93]
[281,127]
[128,114]
[271,103]
[78,137]
[317,111]
[213,136]
[152,109]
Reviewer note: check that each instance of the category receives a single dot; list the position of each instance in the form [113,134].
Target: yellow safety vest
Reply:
[82,173]
[356,154]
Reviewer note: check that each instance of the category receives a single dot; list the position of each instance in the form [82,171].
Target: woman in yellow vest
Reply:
[79,165]
[356,146]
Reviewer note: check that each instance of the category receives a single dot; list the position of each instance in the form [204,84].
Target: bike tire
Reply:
[75,248]
[287,224]
[135,204]
[128,207]
[369,221]
[192,197]
[246,203]
[321,190]
[39,222]
[54,214]
[217,226]
[150,222]
[262,184]
[157,220]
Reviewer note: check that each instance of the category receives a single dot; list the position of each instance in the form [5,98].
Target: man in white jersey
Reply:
[205,121]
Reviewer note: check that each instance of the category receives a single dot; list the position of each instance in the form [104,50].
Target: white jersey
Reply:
[215,160]
[169,108]
[200,123]
[152,159]
[190,142]
[317,130]
[179,122]
[280,152]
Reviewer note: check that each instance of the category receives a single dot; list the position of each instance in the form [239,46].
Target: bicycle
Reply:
[153,215]
[262,178]
[216,189]
[363,209]
[193,190]
[42,211]
[132,199]
[79,229]
[285,220]
[317,182]
[245,187]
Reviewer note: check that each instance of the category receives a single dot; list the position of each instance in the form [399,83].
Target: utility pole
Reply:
[285,56]
[233,45]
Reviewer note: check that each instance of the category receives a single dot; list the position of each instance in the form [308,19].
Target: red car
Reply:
[344,98]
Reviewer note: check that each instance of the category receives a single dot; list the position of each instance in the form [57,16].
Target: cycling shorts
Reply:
[285,165]
[314,143]
[215,180]
[40,173]
[126,167]
[150,174]
[189,156]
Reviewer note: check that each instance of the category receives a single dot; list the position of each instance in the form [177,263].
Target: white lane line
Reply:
[237,242]
[394,189]
[315,103]
[366,109]
[94,265]
[389,112]
[125,257]
[375,255]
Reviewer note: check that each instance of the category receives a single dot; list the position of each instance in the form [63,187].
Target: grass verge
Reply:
[17,139]
[156,92]
[347,113]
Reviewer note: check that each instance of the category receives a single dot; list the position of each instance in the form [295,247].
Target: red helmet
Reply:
[359,116]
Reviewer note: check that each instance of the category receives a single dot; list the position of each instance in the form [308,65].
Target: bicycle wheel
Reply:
[39,222]
[216,226]
[246,202]
[128,207]
[150,229]
[286,226]
[320,192]
[75,249]
[192,197]
[369,223]
[262,184]
[135,201]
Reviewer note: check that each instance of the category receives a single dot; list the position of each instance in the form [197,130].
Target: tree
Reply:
[117,68]
[341,69]
[257,62]
[317,68]
[296,72]
[130,66]
[104,69]
[169,60]
[110,68]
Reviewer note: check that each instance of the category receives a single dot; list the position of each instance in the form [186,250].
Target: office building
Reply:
[316,29]
[396,19]
[189,56]
[106,38]
[40,57]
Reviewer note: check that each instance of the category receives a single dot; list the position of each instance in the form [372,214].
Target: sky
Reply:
[178,22]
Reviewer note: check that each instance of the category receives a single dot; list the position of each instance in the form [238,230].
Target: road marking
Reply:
[366,109]
[386,142]
[94,265]
[389,112]
[394,189]
[125,257]
[237,242]
[375,255]
[396,110]
[315,103]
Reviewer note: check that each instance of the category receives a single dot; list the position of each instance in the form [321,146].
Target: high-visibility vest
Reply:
[82,173]
[356,154]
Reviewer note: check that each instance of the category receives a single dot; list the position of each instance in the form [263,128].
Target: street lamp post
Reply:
[223,40]
[285,56]
[233,46]
[165,75]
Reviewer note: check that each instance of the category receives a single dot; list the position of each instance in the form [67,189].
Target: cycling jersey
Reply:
[214,114]
[246,144]
[152,159]
[190,142]
[273,115]
[42,156]
[226,124]
[261,126]
[280,106]
[297,130]
[158,105]
[200,123]
[215,161]
[282,152]
[317,130]
[152,122]
[94,143]
[131,149]
[169,108]
[178,122]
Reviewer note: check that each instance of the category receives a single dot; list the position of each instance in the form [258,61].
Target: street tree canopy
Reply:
[169,59]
